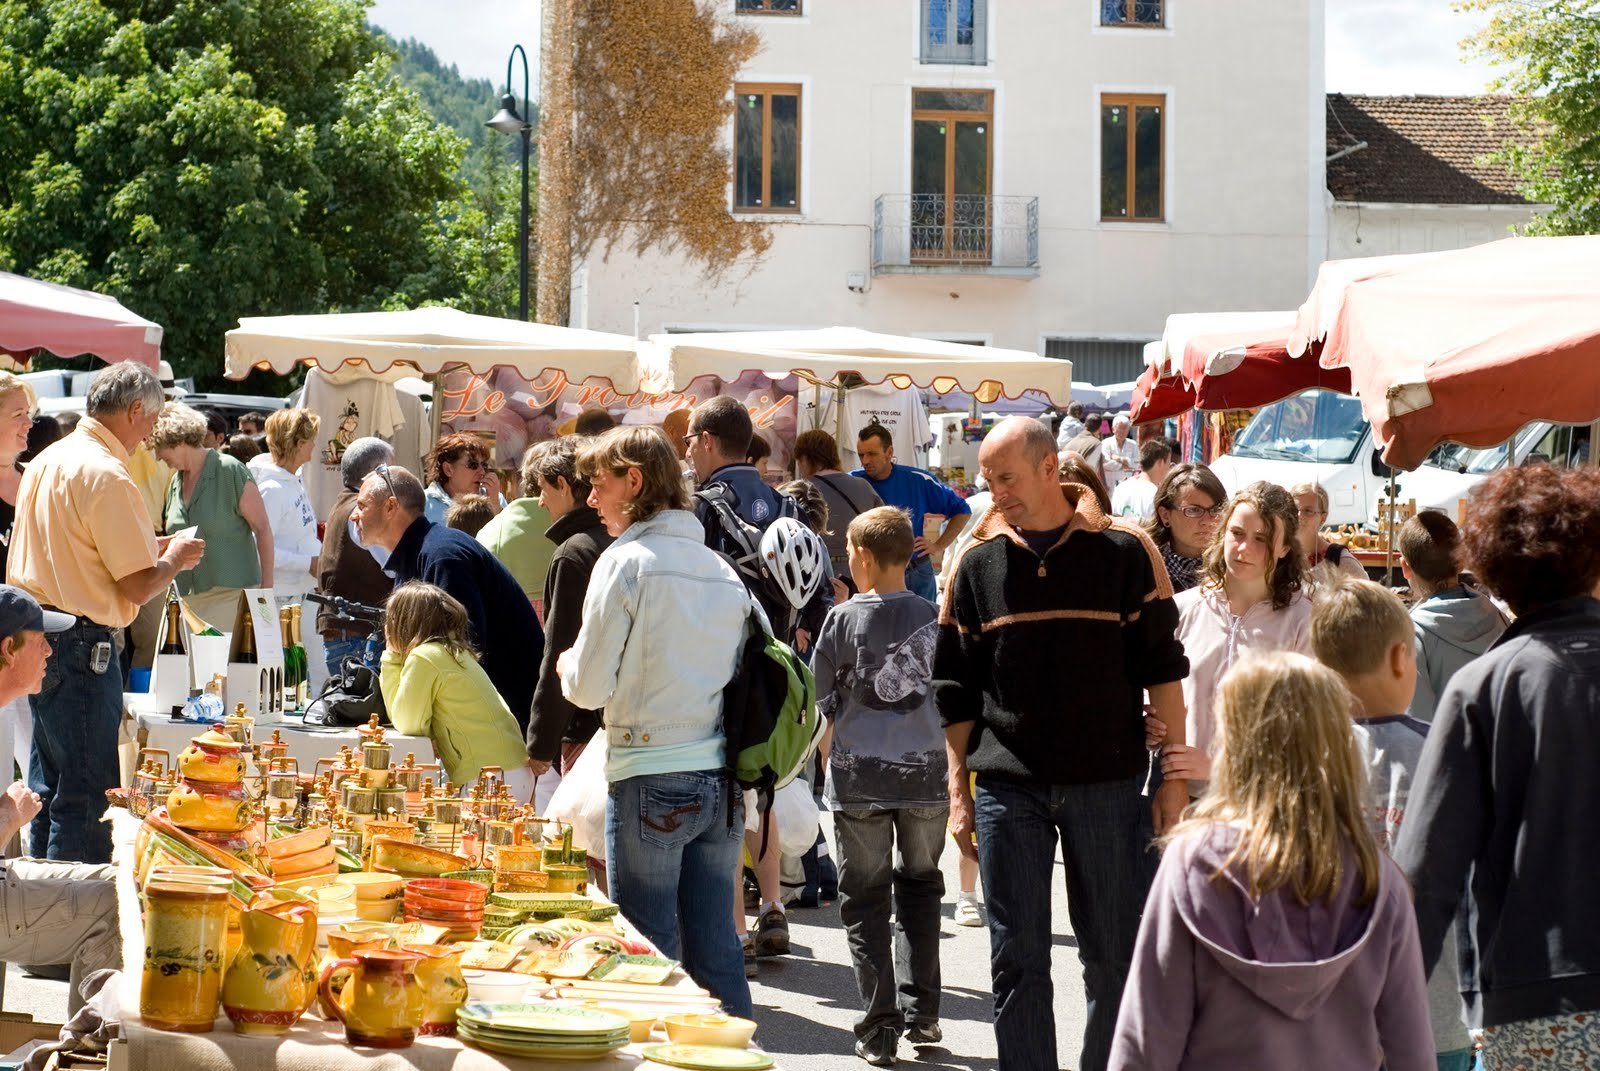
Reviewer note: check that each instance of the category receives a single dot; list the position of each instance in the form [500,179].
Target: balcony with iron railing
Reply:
[960,234]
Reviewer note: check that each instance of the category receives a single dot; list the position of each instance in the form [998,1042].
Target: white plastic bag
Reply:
[580,798]
[795,809]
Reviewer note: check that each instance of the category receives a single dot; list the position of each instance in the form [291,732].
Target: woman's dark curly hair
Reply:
[1533,534]
[1285,575]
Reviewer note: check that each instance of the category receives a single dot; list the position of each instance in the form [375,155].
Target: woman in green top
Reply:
[216,494]
[433,686]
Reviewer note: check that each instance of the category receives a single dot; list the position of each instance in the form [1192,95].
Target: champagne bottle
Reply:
[303,681]
[291,691]
[174,641]
[247,644]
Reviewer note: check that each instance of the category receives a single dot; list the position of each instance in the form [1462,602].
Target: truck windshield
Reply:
[1319,425]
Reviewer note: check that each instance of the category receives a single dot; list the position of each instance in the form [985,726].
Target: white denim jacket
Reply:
[662,624]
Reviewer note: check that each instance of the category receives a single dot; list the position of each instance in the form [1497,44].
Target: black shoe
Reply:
[924,1033]
[827,880]
[772,934]
[878,1047]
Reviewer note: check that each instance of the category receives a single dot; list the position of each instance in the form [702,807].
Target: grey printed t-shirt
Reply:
[873,662]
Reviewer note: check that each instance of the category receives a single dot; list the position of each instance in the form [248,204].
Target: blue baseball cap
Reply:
[21,612]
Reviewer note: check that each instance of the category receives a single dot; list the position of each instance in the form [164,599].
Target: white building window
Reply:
[955,31]
[766,148]
[1135,13]
[768,7]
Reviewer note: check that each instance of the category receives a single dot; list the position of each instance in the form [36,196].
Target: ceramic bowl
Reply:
[698,1028]
[640,1021]
[496,987]
[470,892]
[371,887]
[428,905]
[377,910]
[564,877]
[415,860]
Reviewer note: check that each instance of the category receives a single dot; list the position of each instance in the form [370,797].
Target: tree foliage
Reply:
[648,90]
[1551,52]
[205,160]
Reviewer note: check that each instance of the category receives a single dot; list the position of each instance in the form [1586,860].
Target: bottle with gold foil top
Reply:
[303,682]
[173,642]
[291,671]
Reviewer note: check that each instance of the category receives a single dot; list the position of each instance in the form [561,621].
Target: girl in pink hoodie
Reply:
[1276,934]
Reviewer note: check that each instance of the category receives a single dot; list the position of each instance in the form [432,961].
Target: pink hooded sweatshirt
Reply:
[1221,982]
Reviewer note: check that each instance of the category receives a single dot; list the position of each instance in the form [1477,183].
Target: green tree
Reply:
[205,160]
[1550,50]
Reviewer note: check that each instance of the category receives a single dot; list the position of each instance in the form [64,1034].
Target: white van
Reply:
[1316,436]
[1450,472]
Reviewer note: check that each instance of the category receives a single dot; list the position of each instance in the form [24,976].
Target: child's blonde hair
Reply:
[1288,775]
[1354,623]
[419,613]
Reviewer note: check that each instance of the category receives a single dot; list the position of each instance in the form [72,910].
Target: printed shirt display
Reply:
[354,404]
[900,411]
[873,664]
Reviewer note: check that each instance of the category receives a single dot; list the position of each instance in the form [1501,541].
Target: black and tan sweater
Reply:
[1049,656]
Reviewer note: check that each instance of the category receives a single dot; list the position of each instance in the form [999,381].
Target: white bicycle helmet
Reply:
[794,555]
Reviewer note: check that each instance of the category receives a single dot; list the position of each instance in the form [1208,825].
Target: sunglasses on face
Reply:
[470,463]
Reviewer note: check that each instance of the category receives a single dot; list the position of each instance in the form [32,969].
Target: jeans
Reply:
[910,838]
[335,651]
[1105,834]
[75,720]
[919,579]
[670,857]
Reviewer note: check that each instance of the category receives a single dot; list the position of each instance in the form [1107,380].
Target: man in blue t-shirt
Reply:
[919,494]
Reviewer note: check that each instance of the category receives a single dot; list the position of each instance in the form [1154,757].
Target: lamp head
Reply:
[507,120]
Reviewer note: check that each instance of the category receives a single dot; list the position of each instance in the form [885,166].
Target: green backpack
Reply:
[769,714]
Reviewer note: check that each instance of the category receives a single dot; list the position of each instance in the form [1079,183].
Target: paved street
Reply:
[805,1002]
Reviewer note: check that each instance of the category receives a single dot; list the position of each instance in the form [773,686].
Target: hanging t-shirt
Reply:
[352,404]
[902,412]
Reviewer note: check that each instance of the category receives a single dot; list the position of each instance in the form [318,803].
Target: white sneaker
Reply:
[968,912]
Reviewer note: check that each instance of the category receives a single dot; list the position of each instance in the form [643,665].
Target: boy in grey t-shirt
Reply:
[885,783]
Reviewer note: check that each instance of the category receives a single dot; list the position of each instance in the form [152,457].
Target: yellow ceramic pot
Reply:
[185,927]
[212,756]
[567,878]
[273,979]
[444,989]
[381,1004]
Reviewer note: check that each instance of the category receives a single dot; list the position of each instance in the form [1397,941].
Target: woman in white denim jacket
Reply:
[663,622]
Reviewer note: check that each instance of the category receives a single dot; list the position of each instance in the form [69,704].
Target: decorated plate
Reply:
[708,1058]
[507,1037]
[534,1052]
[542,1020]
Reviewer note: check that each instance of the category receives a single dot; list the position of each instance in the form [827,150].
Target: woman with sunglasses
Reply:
[1189,503]
[459,466]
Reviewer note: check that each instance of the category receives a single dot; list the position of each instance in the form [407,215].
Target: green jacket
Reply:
[449,699]
[516,537]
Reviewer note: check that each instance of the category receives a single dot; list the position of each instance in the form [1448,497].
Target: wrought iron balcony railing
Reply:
[973,232]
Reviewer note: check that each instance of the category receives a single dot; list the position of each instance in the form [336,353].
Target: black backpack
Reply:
[350,697]
[739,541]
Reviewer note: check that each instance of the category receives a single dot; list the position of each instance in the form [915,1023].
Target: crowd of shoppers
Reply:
[1265,730]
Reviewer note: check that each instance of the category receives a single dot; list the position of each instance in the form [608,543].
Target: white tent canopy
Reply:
[670,362]
[428,340]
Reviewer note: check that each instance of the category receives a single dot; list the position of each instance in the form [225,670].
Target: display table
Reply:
[307,744]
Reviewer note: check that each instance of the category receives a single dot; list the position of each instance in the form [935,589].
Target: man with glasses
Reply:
[1322,557]
[389,514]
[1135,499]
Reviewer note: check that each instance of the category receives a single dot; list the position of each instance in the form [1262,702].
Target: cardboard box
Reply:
[258,685]
[20,1035]
[172,675]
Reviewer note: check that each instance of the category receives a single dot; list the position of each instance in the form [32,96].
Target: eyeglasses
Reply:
[383,473]
[690,437]
[1194,513]
[1312,512]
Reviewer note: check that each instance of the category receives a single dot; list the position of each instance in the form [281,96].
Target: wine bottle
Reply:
[247,644]
[174,641]
[302,660]
[291,692]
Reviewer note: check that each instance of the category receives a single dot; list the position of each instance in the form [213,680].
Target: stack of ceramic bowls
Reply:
[447,902]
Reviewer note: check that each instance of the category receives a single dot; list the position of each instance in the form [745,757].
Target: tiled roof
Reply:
[1420,150]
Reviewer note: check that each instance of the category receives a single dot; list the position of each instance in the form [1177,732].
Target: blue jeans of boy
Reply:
[75,719]
[1104,830]
[889,864]
[670,857]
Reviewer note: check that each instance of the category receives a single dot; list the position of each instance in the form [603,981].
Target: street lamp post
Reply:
[509,121]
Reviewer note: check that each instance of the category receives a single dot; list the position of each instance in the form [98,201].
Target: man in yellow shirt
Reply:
[82,544]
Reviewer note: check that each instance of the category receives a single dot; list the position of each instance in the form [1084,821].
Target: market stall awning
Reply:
[1471,345]
[825,354]
[1180,327]
[1248,369]
[428,340]
[68,322]
[1315,317]
[1159,397]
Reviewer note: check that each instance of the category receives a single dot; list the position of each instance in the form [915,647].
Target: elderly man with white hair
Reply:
[1119,454]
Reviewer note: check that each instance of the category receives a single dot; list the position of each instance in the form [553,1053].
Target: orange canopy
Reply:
[1472,344]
